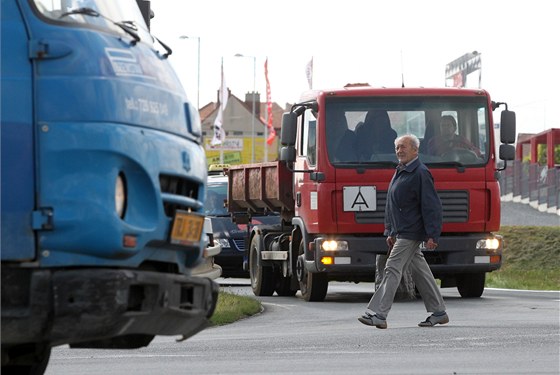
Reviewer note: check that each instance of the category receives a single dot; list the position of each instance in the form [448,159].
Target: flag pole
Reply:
[265,143]
[219,133]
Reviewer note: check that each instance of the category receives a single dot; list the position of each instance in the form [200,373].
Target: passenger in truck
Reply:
[449,140]
[340,139]
[375,135]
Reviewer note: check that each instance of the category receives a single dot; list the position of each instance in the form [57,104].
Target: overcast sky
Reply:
[375,42]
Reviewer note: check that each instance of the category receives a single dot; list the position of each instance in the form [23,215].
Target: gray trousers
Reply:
[406,290]
[406,253]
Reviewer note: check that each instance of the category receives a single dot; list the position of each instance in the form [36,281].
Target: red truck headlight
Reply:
[489,244]
[333,245]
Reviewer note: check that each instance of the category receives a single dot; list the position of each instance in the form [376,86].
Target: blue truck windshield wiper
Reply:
[128,27]
[85,11]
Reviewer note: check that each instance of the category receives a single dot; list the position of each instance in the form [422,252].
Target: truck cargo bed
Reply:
[256,188]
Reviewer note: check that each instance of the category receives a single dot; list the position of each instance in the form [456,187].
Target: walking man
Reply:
[413,214]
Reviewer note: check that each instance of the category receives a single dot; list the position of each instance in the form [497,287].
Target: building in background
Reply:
[237,123]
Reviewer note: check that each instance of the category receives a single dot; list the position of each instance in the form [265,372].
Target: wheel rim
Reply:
[300,269]
[253,266]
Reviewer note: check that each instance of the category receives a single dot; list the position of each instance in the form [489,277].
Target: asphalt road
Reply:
[504,332]
[514,213]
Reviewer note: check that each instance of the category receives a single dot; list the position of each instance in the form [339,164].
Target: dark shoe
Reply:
[373,320]
[432,320]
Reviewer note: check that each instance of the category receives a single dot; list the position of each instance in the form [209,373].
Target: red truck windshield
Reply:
[450,129]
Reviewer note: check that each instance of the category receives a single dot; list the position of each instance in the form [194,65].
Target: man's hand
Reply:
[431,244]
[390,243]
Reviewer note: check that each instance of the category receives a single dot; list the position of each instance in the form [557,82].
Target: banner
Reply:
[271,131]
[219,133]
[309,73]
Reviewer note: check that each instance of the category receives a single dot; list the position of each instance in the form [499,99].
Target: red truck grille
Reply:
[455,208]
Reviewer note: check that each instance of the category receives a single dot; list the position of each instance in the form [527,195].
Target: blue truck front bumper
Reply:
[72,306]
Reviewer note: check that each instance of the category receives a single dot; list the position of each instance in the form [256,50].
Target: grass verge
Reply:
[232,307]
[531,259]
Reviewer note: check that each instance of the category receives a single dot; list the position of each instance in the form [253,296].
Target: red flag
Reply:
[271,131]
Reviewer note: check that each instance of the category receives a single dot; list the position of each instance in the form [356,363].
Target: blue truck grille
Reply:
[179,188]
[455,208]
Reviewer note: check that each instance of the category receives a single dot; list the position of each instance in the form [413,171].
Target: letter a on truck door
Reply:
[17,165]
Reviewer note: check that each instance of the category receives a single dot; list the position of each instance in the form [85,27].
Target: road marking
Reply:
[287,307]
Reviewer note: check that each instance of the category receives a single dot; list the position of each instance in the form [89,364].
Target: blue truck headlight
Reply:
[120,195]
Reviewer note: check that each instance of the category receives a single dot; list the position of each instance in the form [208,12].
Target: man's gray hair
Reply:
[412,139]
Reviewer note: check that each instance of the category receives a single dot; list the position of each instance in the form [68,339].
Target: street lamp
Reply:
[197,69]
[253,110]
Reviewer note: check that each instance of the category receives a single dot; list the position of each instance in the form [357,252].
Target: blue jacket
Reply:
[413,210]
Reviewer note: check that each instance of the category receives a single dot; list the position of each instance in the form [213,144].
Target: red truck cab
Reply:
[339,147]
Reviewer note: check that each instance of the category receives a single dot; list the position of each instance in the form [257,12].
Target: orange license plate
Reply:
[187,228]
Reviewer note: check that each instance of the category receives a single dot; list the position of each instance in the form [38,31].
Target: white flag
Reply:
[219,133]
[309,73]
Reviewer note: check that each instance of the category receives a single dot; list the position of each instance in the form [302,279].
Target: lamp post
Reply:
[197,69]
[253,108]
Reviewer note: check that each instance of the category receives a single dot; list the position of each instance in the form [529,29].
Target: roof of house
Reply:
[209,111]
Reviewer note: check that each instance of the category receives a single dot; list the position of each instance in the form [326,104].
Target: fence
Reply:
[538,186]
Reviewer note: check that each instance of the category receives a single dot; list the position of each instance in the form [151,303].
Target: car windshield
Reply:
[104,14]
[216,198]
[451,129]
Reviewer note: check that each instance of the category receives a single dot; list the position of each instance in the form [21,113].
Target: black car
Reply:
[229,235]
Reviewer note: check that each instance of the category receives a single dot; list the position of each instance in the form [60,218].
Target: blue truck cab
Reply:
[103,180]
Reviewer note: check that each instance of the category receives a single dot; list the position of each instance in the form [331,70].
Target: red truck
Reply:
[330,182]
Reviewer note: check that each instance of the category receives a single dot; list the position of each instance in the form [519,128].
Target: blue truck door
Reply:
[17,135]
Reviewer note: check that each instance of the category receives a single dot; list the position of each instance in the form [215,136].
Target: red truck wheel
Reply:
[471,285]
[313,286]
[262,278]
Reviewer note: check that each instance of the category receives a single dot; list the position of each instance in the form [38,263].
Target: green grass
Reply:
[520,279]
[531,259]
[232,307]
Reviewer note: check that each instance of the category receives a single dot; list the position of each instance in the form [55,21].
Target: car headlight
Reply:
[223,242]
[120,195]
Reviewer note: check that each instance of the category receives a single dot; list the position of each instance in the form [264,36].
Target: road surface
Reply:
[504,332]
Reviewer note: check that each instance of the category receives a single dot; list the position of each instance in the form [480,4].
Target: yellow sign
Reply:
[244,155]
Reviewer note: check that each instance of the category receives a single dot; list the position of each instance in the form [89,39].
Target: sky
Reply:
[378,42]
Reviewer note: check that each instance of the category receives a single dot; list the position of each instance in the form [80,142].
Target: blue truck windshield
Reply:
[450,129]
[104,14]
